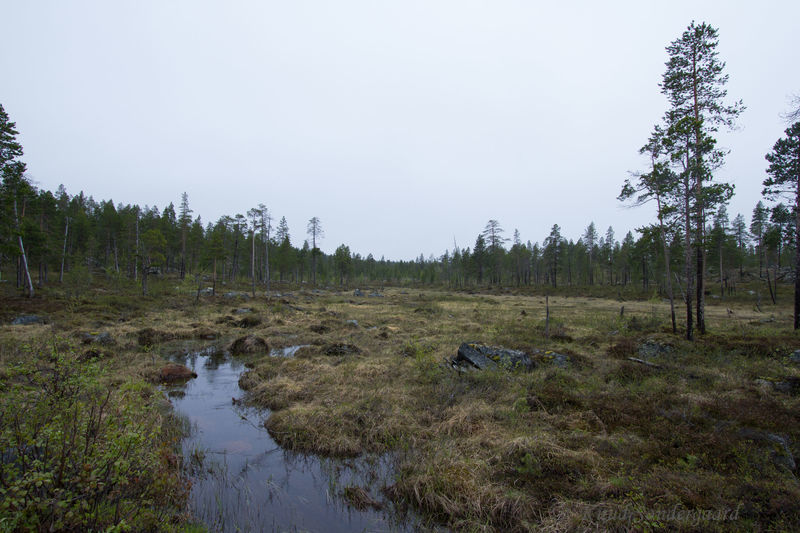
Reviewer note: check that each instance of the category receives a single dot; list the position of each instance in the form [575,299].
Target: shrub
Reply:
[79,455]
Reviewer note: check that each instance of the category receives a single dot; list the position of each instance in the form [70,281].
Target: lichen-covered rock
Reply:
[559,359]
[482,357]
[651,348]
[27,320]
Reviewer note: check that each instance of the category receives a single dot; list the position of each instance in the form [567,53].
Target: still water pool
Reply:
[243,481]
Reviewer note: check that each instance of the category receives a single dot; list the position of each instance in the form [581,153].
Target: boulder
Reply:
[794,357]
[351,323]
[235,294]
[651,348]
[358,292]
[482,357]
[27,320]
[248,345]
[559,359]
[780,452]
[788,385]
[175,372]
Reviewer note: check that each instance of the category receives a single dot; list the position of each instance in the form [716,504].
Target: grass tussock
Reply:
[602,442]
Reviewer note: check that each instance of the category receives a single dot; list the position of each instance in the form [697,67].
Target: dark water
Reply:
[243,481]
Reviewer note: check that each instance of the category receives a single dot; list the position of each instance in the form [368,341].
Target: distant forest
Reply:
[67,234]
[692,244]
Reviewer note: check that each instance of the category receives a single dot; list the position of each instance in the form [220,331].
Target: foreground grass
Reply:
[703,441]
[605,442]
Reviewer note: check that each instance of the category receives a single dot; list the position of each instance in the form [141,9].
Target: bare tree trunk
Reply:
[253,264]
[721,280]
[22,252]
[687,241]
[698,172]
[546,316]
[797,258]
[670,293]
[136,261]
[235,262]
[666,266]
[145,269]
[64,252]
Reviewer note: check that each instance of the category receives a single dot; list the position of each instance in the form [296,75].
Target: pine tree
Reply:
[694,84]
[784,180]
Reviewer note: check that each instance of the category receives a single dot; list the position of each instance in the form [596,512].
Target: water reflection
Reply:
[243,481]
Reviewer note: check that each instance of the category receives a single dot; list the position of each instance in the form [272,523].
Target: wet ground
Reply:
[243,481]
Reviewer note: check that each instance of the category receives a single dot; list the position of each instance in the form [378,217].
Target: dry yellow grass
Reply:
[554,449]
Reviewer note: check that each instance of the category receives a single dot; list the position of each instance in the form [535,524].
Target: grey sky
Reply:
[401,125]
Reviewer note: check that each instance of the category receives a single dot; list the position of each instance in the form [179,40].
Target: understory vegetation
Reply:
[637,428]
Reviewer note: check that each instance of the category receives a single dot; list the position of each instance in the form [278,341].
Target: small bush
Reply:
[77,455]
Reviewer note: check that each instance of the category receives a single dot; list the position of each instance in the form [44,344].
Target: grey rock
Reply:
[795,356]
[26,320]
[789,385]
[208,291]
[375,294]
[353,323]
[558,359]
[358,292]
[482,357]
[650,348]
[235,294]
[780,452]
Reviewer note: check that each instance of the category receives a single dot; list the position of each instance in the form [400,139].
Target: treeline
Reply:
[63,233]
[691,246]
[45,236]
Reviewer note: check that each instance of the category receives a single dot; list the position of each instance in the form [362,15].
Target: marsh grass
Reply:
[497,451]
[508,451]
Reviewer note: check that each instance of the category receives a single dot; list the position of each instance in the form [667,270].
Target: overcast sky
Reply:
[402,125]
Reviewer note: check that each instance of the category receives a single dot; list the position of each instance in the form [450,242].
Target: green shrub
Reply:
[79,455]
